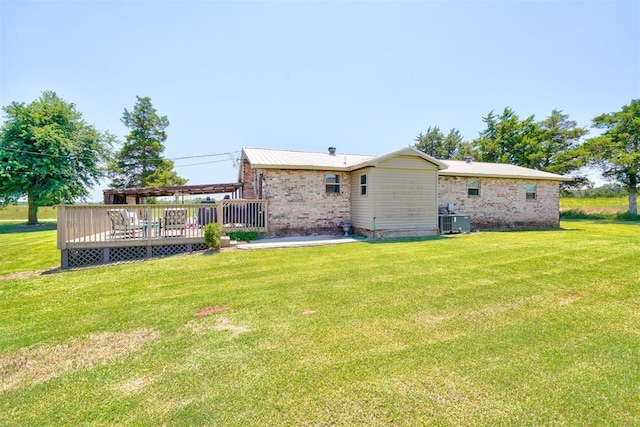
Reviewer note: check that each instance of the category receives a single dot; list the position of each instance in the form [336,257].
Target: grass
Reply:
[538,327]
[19,213]
[596,205]
[607,208]
[26,249]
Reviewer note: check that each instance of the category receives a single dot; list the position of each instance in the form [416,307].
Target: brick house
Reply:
[396,194]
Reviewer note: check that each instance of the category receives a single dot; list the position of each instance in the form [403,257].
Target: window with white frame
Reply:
[332,183]
[473,187]
[363,184]
[530,191]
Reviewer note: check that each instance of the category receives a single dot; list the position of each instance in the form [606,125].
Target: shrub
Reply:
[244,236]
[213,233]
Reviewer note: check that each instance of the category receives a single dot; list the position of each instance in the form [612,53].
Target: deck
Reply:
[93,234]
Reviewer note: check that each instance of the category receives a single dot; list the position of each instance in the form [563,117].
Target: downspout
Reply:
[374,227]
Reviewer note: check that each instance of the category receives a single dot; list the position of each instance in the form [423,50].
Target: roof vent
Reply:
[332,151]
[468,159]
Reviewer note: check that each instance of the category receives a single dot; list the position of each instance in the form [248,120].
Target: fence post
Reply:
[61,226]
[266,216]
[219,212]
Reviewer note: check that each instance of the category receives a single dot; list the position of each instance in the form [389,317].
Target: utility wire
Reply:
[204,163]
[35,153]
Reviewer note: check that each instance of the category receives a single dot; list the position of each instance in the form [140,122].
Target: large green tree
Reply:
[436,144]
[551,145]
[507,139]
[559,149]
[617,151]
[139,163]
[49,153]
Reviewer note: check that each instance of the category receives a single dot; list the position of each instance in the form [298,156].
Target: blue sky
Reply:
[366,77]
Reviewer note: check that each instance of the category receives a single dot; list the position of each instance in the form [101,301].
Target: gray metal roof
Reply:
[497,170]
[289,159]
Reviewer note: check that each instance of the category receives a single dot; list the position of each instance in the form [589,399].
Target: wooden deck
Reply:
[92,234]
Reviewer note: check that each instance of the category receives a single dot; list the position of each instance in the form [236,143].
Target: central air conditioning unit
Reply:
[450,224]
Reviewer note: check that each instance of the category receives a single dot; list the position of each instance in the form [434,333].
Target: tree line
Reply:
[51,155]
[555,144]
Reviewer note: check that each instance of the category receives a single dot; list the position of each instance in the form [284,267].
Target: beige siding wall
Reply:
[299,203]
[407,162]
[502,203]
[361,216]
[404,197]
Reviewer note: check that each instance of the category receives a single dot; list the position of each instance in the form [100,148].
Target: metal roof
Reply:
[178,189]
[497,170]
[289,159]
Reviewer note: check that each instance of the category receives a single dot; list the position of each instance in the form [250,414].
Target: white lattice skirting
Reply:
[94,256]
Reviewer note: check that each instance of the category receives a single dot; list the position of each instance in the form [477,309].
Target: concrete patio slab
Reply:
[297,241]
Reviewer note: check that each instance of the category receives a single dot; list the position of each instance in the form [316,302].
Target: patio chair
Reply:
[123,222]
[174,219]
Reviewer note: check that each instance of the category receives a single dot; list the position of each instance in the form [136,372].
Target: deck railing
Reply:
[105,225]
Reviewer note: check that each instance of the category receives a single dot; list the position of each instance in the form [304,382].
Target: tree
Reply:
[559,140]
[139,163]
[431,142]
[506,139]
[551,145]
[558,149]
[437,145]
[617,151]
[49,154]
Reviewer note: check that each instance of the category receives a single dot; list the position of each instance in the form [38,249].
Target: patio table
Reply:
[154,223]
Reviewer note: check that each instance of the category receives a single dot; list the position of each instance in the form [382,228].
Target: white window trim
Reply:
[534,192]
[473,188]
[337,183]
[364,186]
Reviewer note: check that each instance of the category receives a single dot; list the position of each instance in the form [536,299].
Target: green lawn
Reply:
[19,213]
[596,204]
[25,248]
[519,328]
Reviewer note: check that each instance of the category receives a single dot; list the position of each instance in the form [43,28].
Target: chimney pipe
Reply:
[332,151]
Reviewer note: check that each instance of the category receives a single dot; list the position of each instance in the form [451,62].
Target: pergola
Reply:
[121,195]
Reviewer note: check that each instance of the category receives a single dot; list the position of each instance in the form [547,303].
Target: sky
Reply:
[363,76]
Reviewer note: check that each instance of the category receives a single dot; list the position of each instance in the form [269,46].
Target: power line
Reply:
[203,163]
[36,153]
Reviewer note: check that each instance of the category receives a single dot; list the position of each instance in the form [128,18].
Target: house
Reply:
[281,192]
[393,195]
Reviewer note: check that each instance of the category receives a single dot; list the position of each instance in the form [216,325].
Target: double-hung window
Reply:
[530,191]
[473,187]
[332,183]
[363,184]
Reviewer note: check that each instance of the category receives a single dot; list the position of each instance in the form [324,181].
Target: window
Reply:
[363,184]
[473,187]
[332,182]
[530,190]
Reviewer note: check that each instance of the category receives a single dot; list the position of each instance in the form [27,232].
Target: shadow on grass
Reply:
[22,227]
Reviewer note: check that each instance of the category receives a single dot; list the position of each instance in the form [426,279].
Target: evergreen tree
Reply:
[139,163]
[437,145]
[550,145]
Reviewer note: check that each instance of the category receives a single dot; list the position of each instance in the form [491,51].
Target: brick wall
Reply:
[248,177]
[299,204]
[502,204]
